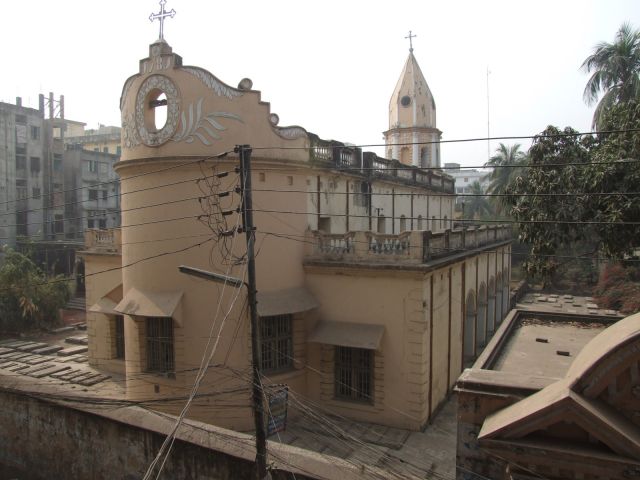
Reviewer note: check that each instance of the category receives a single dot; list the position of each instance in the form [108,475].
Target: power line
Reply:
[554,222]
[462,140]
[106,213]
[458,195]
[191,162]
[151,222]
[305,240]
[120,194]
[113,269]
[383,168]
[204,365]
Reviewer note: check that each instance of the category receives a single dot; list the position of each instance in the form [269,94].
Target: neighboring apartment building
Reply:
[465,177]
[51,191]
[104,139]
[23,156]
[369,302]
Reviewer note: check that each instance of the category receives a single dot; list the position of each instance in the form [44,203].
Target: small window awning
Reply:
[107,304]
[346,334]
[282,302]
[150,304]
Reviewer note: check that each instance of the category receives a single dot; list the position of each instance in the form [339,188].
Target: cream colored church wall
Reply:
[99,331]
[247,120]
[421,353]
[397,308]
[278,267]
[440,341]
[392,200]
[457,295]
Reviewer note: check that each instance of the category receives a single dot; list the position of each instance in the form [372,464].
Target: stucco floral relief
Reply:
[203,127]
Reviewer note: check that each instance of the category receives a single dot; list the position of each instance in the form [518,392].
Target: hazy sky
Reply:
[328,66]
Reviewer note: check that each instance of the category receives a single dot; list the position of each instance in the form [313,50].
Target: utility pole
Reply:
[247,222]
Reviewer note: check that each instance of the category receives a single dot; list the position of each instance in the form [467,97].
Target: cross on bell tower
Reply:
[161,16]
[411,37]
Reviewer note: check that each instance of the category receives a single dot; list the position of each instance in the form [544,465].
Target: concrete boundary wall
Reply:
[54,439]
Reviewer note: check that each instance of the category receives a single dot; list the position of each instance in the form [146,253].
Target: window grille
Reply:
[354,374]
[119,336]
[277,342]
[58,224]
[21,162]
[35,164]
[160,344]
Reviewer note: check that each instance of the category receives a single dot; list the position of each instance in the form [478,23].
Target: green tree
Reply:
[476,206]
[548,200]
[585,200]
[612,180]
[28,299]
[503,172]
[616,72]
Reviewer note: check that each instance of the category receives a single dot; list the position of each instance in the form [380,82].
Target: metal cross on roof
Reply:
[161,16]
[411,37]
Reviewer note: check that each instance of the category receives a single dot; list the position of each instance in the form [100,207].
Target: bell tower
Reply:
[412,137]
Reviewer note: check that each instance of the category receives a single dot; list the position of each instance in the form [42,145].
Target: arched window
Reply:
[481,318]
[425,158]
[469,324]
[404,156]
[491,308]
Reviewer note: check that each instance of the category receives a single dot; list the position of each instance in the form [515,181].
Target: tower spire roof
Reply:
[412,103]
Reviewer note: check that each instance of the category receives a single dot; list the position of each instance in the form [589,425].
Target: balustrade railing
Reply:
[389,244]
[412,247]
[335,243]
[338,155]
[106,240]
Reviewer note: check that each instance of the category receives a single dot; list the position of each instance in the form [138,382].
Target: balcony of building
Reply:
[103,241]
[407,248]
[338,156]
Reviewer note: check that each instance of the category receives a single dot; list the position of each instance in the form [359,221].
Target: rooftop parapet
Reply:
[409,248]
[336,155]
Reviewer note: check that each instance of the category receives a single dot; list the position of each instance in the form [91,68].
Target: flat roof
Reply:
[541,346]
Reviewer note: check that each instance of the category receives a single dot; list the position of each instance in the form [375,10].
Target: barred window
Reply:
[119,336]
[354,374]
[21,162]
[160,344]
[35,164]
[58,224]
[277,342]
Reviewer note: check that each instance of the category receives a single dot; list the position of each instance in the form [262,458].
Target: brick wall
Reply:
[46,439]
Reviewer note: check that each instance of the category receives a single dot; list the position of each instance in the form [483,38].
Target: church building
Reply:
[370,302]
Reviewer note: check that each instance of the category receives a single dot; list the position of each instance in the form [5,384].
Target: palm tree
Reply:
[504,170]
[477,205]
[616,71]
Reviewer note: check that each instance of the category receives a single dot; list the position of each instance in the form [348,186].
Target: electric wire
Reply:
[110,182]
[503,221]
[130,264]
[114,195]
[462,140]
[205,361]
